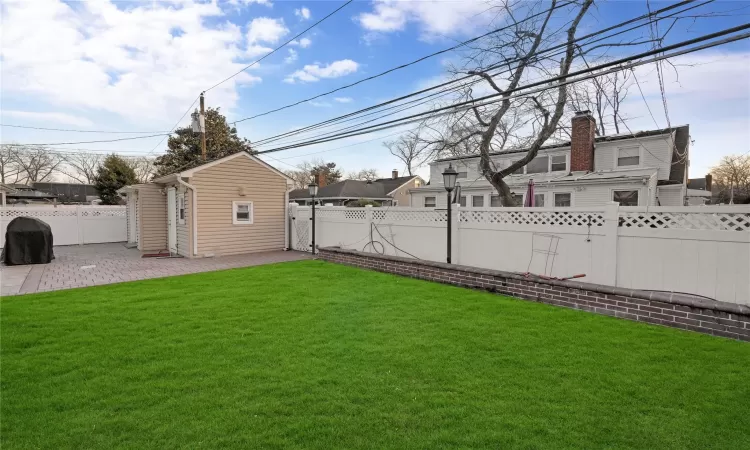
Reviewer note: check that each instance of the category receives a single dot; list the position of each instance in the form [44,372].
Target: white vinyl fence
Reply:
[73,224]
[703,250]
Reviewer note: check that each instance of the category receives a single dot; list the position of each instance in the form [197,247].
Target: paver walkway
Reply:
[95,264]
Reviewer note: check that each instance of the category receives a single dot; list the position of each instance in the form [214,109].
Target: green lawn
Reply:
[314,355]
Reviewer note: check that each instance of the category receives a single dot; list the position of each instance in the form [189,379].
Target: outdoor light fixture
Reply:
[313,190]
[449,181]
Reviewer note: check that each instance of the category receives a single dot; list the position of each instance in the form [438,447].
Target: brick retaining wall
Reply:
[661,308]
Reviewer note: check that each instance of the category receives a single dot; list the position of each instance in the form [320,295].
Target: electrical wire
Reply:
[281,46]
[79,131]
[473,103]
[261,142]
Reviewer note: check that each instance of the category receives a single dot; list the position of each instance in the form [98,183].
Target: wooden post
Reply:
[203,130]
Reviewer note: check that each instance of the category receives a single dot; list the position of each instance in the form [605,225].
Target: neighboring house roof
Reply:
[697,183]
[378,189]
[26,192]
[679,160]
[190,172]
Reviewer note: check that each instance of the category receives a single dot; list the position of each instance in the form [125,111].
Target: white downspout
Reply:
[195,212]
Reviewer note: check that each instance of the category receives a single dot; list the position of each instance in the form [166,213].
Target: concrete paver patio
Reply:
[95,264]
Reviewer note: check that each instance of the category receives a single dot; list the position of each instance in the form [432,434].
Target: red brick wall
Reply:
[582,143]
[687,313]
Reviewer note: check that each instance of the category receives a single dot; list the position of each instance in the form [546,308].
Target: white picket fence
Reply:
[698,250]
[73,225]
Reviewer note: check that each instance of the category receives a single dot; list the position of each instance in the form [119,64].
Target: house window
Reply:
[242,213]
[477,201]
[540,164]
[559,163]
[495,201]
[181,209]
[429,202]
[416,183]
[562,199]
[462,201]
[628,156]
[539,200]
[625,198]
[461,175]
[518,171]
[517,199]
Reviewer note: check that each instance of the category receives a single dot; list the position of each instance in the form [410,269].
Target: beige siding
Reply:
[218,187]
[152,215]
[402,193]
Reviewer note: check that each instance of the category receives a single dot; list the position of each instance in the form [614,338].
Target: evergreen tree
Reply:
[111,175]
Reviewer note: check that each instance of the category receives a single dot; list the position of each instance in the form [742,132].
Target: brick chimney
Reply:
[394,174]
[321,180]
[582,142]
[709,181]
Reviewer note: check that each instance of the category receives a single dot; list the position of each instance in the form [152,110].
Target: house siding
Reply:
[152,215]
[655,152]
[218,187]
[671,195]
[402,193]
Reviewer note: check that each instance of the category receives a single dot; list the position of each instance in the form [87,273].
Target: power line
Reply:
[280,46]
[96,142]
[175,125]
[605,30]
[472,103]
[402,66]
[78,131]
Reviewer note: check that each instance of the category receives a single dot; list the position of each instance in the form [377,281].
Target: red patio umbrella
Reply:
[529,202]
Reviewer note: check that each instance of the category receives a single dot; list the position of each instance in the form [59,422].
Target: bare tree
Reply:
[307,170]
[364,175]
[490,124]
[732,175]
[10,171]
[37,163]
[410,149]
[81,167]
[144,168]
[603,96]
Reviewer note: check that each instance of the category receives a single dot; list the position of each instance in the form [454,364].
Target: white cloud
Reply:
[266,29]
[43,117]
[304,42]
[320,104]
[292,56]
[314,72]
[137,62]
[344,99]
[433,17]
[303,13]
[250,2]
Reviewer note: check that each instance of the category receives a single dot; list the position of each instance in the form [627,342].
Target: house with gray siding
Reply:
[634,169]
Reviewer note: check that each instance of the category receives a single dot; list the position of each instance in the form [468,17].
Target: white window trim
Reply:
[640,194]
[234,212]
[472,200]
[572,199]
[181,207]
[567,162]
[640,156]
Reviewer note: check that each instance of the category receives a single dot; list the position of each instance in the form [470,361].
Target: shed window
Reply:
[559,163]
[242,213]
[181,209]
[540,164]
[625,198]
[429,202]
[628,156]
[562,199]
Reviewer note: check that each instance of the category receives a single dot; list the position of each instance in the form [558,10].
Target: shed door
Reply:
[132,224]
[172,220]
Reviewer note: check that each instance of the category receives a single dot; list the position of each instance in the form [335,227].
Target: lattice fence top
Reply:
[50,211]
[686,220]
[113,212]
[341,214]
[551,218]
[389,215]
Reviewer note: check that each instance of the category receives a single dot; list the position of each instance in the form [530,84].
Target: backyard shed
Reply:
[232,205]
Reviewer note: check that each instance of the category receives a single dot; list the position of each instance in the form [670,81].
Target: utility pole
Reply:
[203,129]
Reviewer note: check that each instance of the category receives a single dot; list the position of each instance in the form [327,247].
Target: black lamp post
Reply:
[313,189]
[449,181]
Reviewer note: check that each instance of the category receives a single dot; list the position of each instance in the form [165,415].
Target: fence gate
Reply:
[300,228]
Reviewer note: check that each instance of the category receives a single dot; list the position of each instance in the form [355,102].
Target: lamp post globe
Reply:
[449,178]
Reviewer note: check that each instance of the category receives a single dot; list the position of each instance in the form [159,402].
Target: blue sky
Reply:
[138,65]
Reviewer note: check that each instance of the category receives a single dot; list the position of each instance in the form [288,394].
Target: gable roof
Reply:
[345,189]
[391,184]
[190,172]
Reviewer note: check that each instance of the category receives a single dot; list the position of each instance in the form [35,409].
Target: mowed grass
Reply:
[315,355]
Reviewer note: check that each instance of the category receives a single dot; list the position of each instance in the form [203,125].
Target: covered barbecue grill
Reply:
[27,241]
